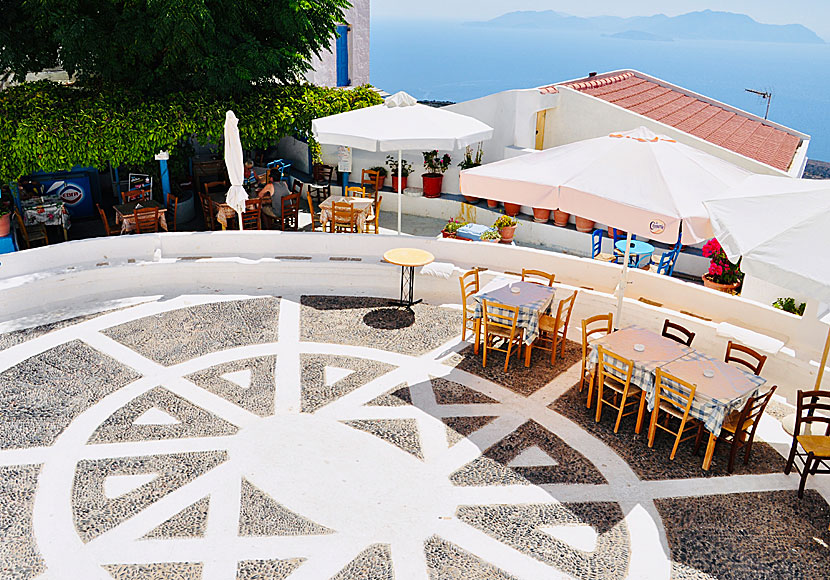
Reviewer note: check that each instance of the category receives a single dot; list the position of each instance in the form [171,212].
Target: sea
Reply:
[451,61]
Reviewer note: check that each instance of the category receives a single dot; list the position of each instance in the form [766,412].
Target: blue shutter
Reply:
[343,55]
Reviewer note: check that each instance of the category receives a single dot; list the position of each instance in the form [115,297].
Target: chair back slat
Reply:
[612,365]
[146,220]
[290,209]
[746,356]
[494,318]
[595,325]
[677,332]
[538,277]
[252,216]
[469,286]
[678,392]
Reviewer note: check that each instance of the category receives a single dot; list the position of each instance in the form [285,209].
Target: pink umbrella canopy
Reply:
[638,181]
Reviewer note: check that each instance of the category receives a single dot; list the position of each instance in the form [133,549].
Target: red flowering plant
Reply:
[434,164]
[721,270]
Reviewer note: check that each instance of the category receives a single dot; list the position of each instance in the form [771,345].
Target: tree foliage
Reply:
[227,47]
[52,127]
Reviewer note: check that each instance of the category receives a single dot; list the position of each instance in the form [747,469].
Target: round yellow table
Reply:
[408,259]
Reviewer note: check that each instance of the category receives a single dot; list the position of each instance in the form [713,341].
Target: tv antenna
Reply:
[766,95]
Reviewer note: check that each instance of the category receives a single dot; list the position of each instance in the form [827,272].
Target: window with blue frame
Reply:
[342,51]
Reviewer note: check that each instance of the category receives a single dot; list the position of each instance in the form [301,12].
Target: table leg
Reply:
[408,287]
[710,452]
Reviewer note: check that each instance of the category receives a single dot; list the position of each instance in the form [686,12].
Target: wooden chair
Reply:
[142,194]
[343,218]
[371,222]
[815,449]
[208,207]
[501,327]
[371,180]
[207,210]
[252,216]
[554,331]
[596,248]
[677,333]
[297,187]
[675,402]
[290,212]
[172,208]
[593,327]
[614,373]
[355,191]
[322,175]
[33,233]
[753,360]
[146,220]
[469,286]
[111,228]
[209,171]
[740,426]
[315,216]
[538,277]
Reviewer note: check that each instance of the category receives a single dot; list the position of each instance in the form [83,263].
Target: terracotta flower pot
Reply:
[584,225]
[433,182]
[620,233]
[447,234]
[471,200]
[492,203]
[728,288]
[541,215]
[395,183]
[5,225]
[512,209]
[560,218]
[507,234]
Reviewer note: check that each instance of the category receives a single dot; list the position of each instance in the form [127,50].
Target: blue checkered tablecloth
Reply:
[715,397]
[533,300]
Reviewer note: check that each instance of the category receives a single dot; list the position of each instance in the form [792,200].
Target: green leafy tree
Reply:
[225,47]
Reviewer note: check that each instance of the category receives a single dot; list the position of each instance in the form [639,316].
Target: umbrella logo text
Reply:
[657,227]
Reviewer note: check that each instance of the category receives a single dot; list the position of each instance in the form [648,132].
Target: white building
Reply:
[346,64]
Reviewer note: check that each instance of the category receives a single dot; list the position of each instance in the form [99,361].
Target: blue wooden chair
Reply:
[596,248]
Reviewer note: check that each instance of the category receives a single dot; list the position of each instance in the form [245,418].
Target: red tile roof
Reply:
[731,130]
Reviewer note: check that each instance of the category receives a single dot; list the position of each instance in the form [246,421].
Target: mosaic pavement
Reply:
[206,438]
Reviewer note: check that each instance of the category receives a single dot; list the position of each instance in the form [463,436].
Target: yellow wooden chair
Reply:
[355,191]
[343,218]
[554,330]
[674,401]
[614,374]
[315,216]
[593,327]
[500,323]
[538,277]
[469,286]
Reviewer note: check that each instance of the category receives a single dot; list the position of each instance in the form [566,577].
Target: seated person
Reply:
[277,190]
[249,177]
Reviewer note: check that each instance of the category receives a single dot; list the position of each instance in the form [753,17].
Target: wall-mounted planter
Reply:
[584,225]
[512,209]
[560,218]
[541,215]
[492,203]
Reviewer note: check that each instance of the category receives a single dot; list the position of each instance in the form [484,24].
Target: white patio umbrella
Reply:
[237,195]
[780,229]
[400,124]
[643,183]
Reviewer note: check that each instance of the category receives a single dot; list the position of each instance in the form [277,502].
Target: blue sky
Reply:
[814,14]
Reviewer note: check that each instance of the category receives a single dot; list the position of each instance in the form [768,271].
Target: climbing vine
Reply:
[51,127]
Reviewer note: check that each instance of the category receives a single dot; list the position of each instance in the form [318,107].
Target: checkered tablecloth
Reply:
[533,300]
[49,211]
[658,351]
[715,397]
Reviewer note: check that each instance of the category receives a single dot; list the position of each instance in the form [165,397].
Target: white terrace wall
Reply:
[65,278]
[579,116]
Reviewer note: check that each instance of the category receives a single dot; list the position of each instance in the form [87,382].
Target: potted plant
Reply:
[507,227]
[452,227]
[723,275]
[790,305]
[492,203]
[561,218]
[541,215]
[5,214]
[512,209]
[434,177]
[382,171]
[584,225]
[469,162]
[406,169]
[491,235]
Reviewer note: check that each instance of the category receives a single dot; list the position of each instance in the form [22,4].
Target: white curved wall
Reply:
[35,284]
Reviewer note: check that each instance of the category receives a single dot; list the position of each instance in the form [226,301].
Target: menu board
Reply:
[139,181]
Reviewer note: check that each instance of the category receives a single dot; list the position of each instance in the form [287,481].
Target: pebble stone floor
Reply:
[261,438]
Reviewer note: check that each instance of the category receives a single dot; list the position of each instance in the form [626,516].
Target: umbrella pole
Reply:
[823,361]
[623,279]
[400,189]
[239,216]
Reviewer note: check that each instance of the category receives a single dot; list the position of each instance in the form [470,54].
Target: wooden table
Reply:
[125,214]
[408,259]
[532,300]
[362,204]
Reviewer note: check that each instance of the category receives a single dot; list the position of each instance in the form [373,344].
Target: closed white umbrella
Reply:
[780,229]
[237,195]
[400,124]
[643,183]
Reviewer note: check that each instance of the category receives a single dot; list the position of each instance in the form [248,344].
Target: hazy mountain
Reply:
[704,25]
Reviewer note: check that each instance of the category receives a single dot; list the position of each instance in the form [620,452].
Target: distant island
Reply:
[703,25]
